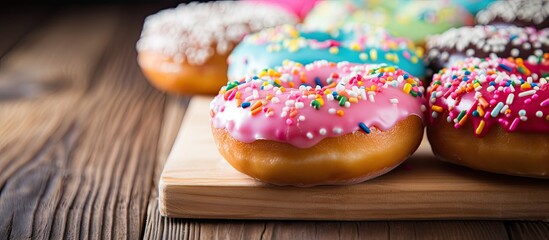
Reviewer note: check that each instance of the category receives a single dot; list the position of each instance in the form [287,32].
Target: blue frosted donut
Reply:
[353,43]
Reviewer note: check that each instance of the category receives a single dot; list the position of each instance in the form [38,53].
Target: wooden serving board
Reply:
[198,183]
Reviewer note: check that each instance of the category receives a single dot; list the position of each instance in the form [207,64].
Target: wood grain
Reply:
[14,25]
[198,183]
[528,230]
[78,158]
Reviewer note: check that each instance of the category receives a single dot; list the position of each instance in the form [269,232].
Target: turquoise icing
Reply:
[252,55]
[473,6]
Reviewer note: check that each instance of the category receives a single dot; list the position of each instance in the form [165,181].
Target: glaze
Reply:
[193,33]
[299,8]
[510,92]
[303,104]
[403,18]
[527,13]
[485,41]
[473,6]
[352,43]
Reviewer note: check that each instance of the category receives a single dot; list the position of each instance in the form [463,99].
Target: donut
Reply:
[299,8]
[353,43]
[184,49]
[524,13]
[492,114]
[323,123]
[485,41]
[411,19]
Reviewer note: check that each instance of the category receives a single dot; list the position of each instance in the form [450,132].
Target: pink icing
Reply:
[376,95]
[511,93]
[299,8]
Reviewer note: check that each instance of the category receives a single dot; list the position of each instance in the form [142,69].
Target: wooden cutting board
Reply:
[198,183]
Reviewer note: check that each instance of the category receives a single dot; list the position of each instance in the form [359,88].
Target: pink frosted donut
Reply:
[322,123]
[492,114]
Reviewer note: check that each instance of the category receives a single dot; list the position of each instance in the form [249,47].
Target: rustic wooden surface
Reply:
[83,139]
[198,183]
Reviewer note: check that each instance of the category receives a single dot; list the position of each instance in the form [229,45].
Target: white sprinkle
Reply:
[337,130]
[515,52]
[478,95]
[301,118]
[371,97]
[532,59]
[490,88]
[310,135]
[524,118]
[498,79]
[299,105]
[394,101]
[322,131]
[526,93]
[347,104]
[255,93]
[482,78]
[510,99]
[539,114]
[470,52]
[423,108]
[290,103]
[332,111]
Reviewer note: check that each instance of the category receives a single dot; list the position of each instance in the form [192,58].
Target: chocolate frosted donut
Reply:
[516,12]
[485,41]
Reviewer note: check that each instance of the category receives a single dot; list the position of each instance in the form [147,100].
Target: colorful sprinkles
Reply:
[339,97]
[493,91]
[354,43]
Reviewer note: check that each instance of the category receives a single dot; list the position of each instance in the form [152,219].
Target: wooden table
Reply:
[83,139]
